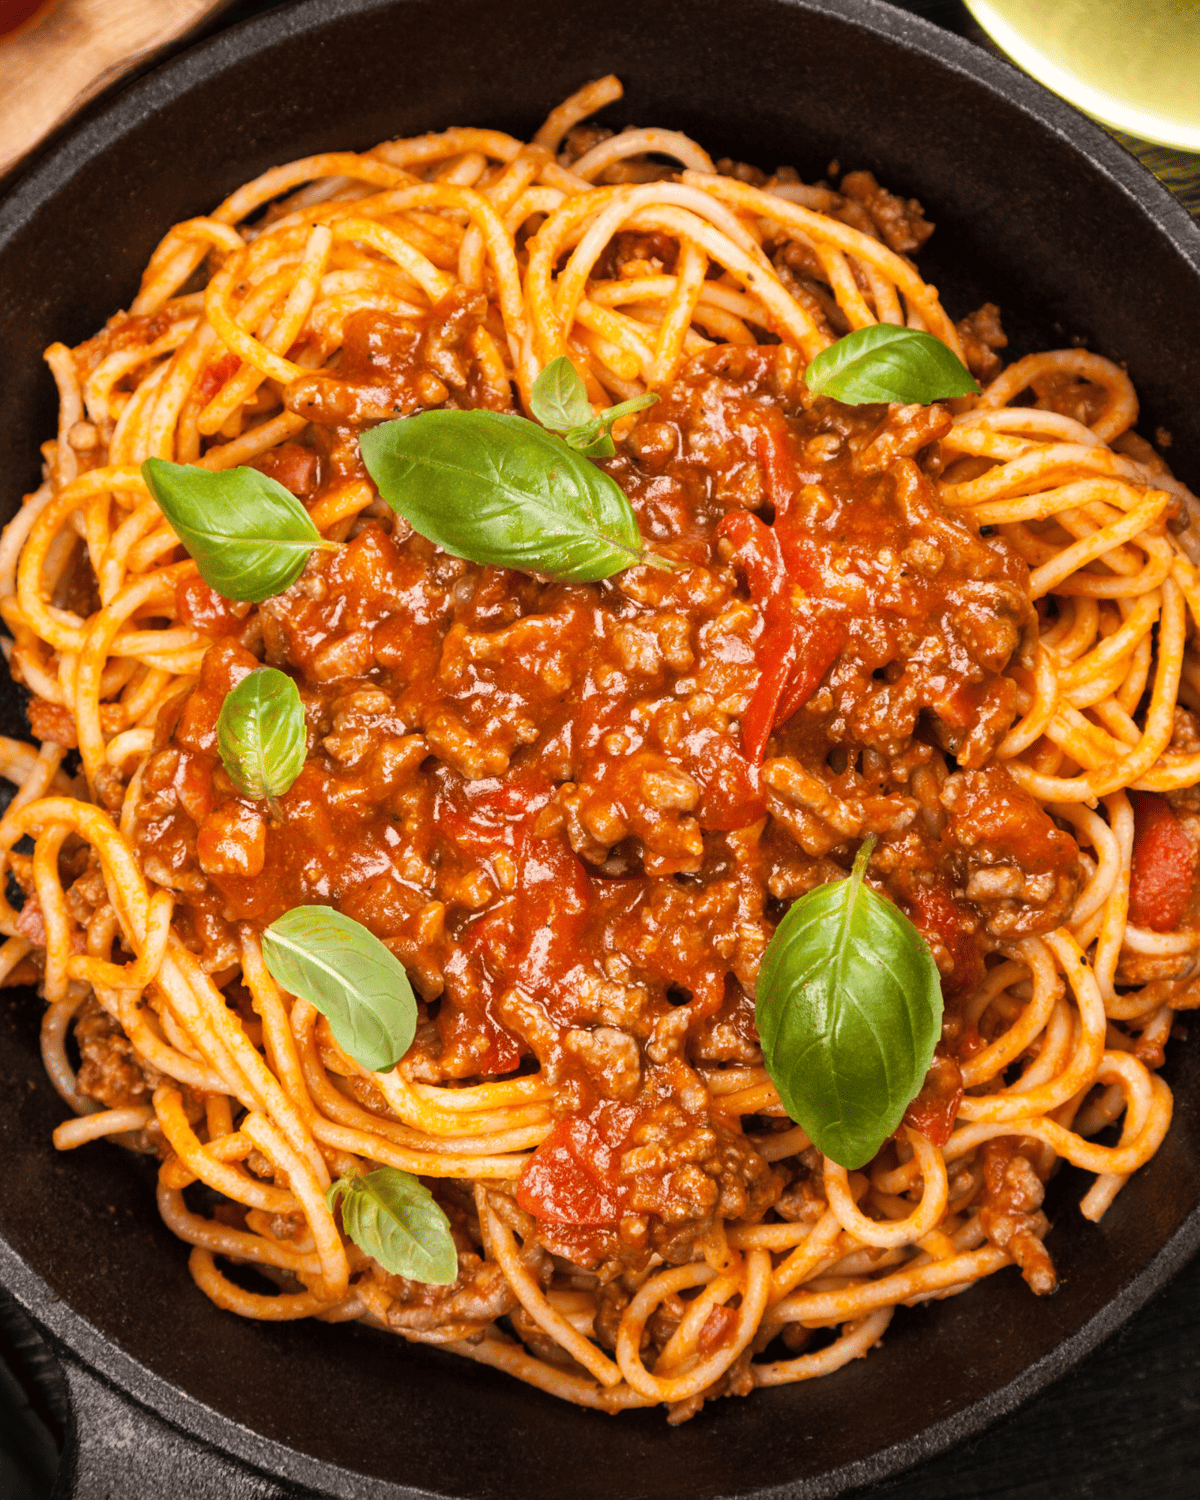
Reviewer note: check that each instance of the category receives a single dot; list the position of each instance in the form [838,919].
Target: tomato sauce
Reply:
[576,812]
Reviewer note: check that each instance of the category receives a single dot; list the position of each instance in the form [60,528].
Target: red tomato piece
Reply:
[798,645]
[500,1052]
[759,718]
[572,1177]
[479,815]
[204,609]
[1160,878]
[776,454]
[941,920]
[818,639]
[718,1329]
[291,465]
[794,650]
[215,376]
[556,1186]
[935,1108]
[730,796]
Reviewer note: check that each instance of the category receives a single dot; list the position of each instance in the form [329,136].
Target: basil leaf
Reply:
[887,363]
[559,401]
[260,733]
[357,984]
[396,1219]
[594,439]
[249,536]
[499,489]
[558,397]
[849,1010]
[591,443]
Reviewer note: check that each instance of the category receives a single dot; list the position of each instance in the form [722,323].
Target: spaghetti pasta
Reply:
[536,793]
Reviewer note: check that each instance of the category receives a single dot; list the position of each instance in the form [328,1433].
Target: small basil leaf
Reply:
[499,489]
[849,1010]
[249,536]
[260,733]
[558,397]
[601,446]
[594,439]
[887,363]
[356,983]
[396,1219]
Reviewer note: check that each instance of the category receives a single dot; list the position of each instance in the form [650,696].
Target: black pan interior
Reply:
[1073,249]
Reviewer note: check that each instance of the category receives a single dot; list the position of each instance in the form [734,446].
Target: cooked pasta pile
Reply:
[631,253]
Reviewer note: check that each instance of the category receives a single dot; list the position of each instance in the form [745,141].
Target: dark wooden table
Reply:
[1125,1424]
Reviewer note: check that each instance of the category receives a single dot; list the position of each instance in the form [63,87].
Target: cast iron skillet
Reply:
[1036,209]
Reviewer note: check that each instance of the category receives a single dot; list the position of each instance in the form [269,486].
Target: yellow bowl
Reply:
[1132,64]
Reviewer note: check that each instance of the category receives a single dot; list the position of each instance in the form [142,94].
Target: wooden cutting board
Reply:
[56,55]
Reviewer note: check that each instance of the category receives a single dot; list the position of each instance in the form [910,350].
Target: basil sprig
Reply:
[357,984]
[888,363]
[558,399]
[396,1219]
[849,1010]
[260,734]
[250,537]
[499,489]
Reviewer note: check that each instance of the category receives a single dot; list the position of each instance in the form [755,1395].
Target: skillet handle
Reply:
[116,1450]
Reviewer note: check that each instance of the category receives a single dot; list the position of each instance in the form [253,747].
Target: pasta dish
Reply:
[946,635]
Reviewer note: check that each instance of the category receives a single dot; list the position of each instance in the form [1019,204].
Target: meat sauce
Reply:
[538,794]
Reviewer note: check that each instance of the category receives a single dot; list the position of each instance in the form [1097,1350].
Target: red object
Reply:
[775,454]
[215,376]
[935,1108]
[572,1177]
[291,465]
[205,610]
[535,939]
[796,647]
[817,641]
[481,815]
[718,1328]
[1160,878]
[730,794]
[19,16]
[941,920]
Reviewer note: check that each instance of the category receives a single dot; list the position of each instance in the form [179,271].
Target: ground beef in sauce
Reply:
[535,792]
[110,1070]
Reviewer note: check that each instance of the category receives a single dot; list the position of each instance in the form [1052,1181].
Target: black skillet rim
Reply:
[52,173]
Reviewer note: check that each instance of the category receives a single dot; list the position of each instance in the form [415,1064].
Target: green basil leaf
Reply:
[499,489]
[260,733]
[559,401]
[396,1219]
[357,984]
[849,1010]
[599,446]
[249,536]
[558,397]
[594,439]
[887,363]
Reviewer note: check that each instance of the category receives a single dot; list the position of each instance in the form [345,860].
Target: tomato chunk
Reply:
[572,1176]
[935,1108]
[797,646]
[204,609]
[730,796]
[1160,879]
[291,465]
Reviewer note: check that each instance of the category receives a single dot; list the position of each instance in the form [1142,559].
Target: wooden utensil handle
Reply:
[60,55]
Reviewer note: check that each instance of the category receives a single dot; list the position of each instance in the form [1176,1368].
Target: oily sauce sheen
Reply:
[536,793]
